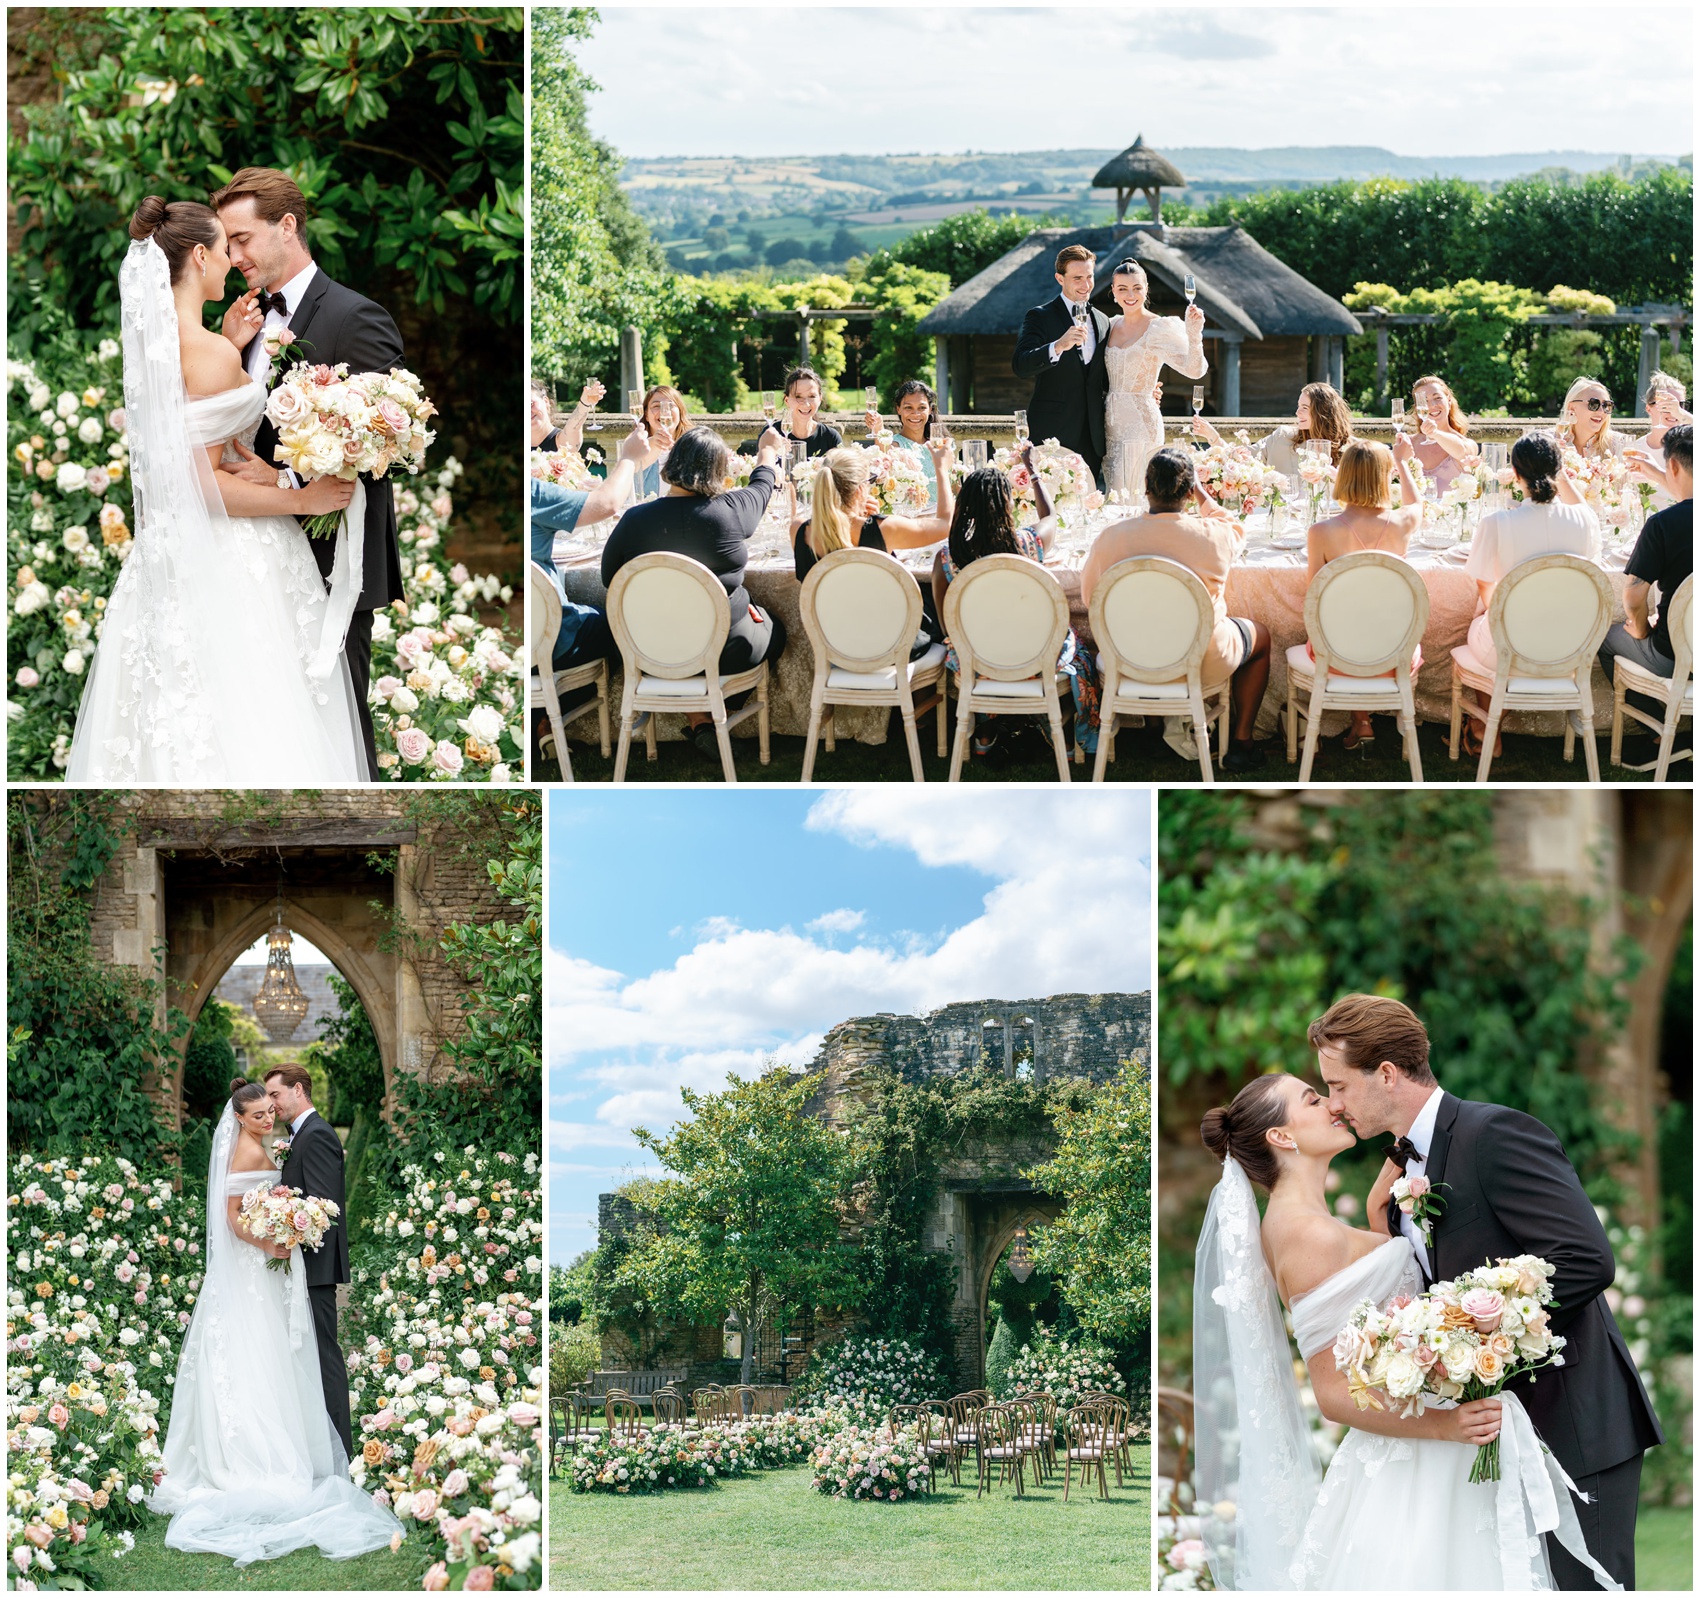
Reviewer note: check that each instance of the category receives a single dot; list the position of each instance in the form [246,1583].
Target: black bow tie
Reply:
[270,302]
[1403,1152]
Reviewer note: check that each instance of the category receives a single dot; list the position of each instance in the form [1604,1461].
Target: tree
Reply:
[715,238]
[845,243]
[749,1217]
[960,245]
[1100,1246]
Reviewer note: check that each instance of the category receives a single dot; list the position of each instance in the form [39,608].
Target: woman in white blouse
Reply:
[1551,520]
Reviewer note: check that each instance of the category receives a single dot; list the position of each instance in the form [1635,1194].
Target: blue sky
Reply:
[692,934]
[1445,78]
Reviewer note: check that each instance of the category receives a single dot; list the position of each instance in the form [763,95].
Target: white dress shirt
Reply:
[295,1125]
[1089,326]
[1422,1137]
[259,363]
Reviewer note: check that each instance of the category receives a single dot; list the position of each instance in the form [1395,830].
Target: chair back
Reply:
[669,616]
[625,1416]
[1548,615]
[1008,617]
[669,1406]
[1679,611]
[902,1415]
[1087,1425]
[1365,614]
[709,1405]
[861,610]
[1154,617]
[1045,1403]
[965,1412]
[1000,1426]
[741,1400]
[543,614]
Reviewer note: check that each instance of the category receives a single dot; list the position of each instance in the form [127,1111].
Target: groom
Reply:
[1061,350]
[265,220]
[314,1164]
[1504,1187]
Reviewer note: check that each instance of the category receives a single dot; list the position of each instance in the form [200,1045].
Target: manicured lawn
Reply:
[152,1567]
[1664,1550]
[774,1531]
[1141,756]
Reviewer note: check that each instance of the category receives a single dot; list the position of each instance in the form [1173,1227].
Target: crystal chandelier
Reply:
[280,1005]
[1020,1256]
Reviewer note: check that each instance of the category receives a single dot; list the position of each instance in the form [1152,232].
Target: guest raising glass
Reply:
[1321,414]
[1443,443]
[803,394]
[1585,421]
[918,423]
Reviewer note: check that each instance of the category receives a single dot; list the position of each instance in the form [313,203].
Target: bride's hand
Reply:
[1475,1423]
[321,495]
[1380,1194]
[1194,318]
[243,320]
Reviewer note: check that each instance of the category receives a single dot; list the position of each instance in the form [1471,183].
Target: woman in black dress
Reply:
[803,393]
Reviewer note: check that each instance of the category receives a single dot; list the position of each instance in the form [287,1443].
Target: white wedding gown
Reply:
[201,674]
[1133,425]
[253,1466]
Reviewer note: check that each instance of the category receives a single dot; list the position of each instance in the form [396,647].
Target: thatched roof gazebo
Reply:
[1139,169]
[1272,330]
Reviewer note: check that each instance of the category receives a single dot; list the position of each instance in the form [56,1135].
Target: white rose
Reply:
[501,772]
[485,723]
[424,613]
[1404,1376]
[88,430]
[67,404]
[73,662]
[75,539]
[287,406]
[381,627]
[107,349]
[404,699]
[70,477]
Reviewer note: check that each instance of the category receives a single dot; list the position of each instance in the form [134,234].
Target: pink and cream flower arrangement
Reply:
[287,1217]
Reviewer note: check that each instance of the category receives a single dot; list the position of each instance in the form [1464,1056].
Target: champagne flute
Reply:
[1398,416]
[634,404]
[974,454]
[767,406]
[870,398]
[1197,399]
[1021,427]
[1191,288]
[799,454]
[591,423]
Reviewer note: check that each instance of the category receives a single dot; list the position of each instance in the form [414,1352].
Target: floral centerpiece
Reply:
[1606,486]
[1067,1371]
[446,1383]
[1317,473]
[896,481]
[1065,474]
[1237,477]
[860,1462]
[566,468]
[864,1378]
[1461,1339]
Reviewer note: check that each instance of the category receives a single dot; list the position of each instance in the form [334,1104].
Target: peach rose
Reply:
[436,1578]
[1489,1366]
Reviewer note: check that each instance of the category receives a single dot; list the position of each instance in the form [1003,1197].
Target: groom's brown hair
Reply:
[1367,1029]
[293,1076]
[275,195]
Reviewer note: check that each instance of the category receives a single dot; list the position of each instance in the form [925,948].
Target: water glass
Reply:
[974,454]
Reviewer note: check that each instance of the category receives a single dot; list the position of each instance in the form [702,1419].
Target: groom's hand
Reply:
[243,320]
[251,469]
[1072,339]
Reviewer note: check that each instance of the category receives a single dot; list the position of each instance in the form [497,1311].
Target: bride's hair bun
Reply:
[176,226]
[243,1093]
[1239,1129]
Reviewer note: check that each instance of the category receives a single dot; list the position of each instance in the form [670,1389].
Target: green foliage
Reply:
[960,245]
[594,269]
[210,1061]
[84,1035]
[748,1216]
[574,1352]
[1005,1350]
[347,1054]
[1634,239]
[902,295]
[1100,1246]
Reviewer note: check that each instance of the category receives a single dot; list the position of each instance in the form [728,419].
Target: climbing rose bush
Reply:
[1067,1371]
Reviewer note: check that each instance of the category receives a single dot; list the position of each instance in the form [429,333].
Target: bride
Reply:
[253,1465]
[1396,1511]
[1138,347]
[216,664]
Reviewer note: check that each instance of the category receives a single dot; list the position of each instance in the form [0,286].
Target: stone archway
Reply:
[1000,1216]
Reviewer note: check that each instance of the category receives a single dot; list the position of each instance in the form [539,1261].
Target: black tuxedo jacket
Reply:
[336,324]
[1509,1189]
[314,1164]
[1068,393]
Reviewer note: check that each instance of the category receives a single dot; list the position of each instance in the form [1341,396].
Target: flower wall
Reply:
[447,687]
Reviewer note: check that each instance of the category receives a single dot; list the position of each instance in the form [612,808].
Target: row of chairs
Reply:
[1151,620]
[574,1414]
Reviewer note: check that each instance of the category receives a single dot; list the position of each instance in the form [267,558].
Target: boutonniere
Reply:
[280,1151]
[284,350]
[1417,1197]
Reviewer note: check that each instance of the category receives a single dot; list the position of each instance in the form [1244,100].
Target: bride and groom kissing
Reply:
[256,1455]
[223,660]
[1095,377]
[1397,1510]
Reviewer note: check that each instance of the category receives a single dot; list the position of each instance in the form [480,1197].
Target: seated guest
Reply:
[1663,554]
[1585,422]
[1443,443]
[1321,414]
[664,419]
[983,523]
[1667,400]
[842,505]
[570,434]
[700,518]
[803,393]
[1205,544]
[918,421]
[1368,519]
[1551,520]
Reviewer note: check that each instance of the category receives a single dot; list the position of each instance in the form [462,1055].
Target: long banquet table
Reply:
[1267,584]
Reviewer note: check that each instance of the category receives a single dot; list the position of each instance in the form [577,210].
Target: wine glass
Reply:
[1197,399]
[1021,427]
[1398,416]
[1191,288]
[591,423]
[870,398]
[799,454]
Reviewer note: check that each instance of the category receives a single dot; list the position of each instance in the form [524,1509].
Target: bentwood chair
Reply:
[861,611]
[941,1440]
[1008,618]
[741,1402]
[1001,1448]
[1152,621]
[1046,1430]
[1086,1438]
[669,616]
[547,684]
[669,1407]
[1364,617]
[625,1416]
[1547,617]
[1675,692]
[709,1405]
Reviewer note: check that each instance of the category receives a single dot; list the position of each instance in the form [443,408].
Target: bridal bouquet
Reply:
[332,425]
[565,468]
[288,1216]
[1461,1340]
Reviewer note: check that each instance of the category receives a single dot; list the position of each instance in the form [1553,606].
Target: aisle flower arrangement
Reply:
[1067,1371]
[1181,1562]
[103,1271]
[674,1455]
[69,529]
[446,1385]
[863,1378]
[871,1463]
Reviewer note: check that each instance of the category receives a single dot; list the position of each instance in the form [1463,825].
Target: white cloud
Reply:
[837,921]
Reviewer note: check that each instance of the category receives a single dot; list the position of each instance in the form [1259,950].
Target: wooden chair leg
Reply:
[941,711]
[814,731]
[602,709]
[1667,738]
[1457,711]
[829,730]
[764,712]
[1408,718]
[1569,737]
[1201,736]
[1590,751]
[1053,710]
[1313,729]
[625,735]
[964,730]
[1292,719]
[1617,719]
[723,737]
[651,731]
[552,708]
[1106,738]
[913,739]
[1489,733]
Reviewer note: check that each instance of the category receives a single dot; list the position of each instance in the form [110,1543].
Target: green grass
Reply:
[1664,1550]
[1141,756]
[773,1531]
[152,1567]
